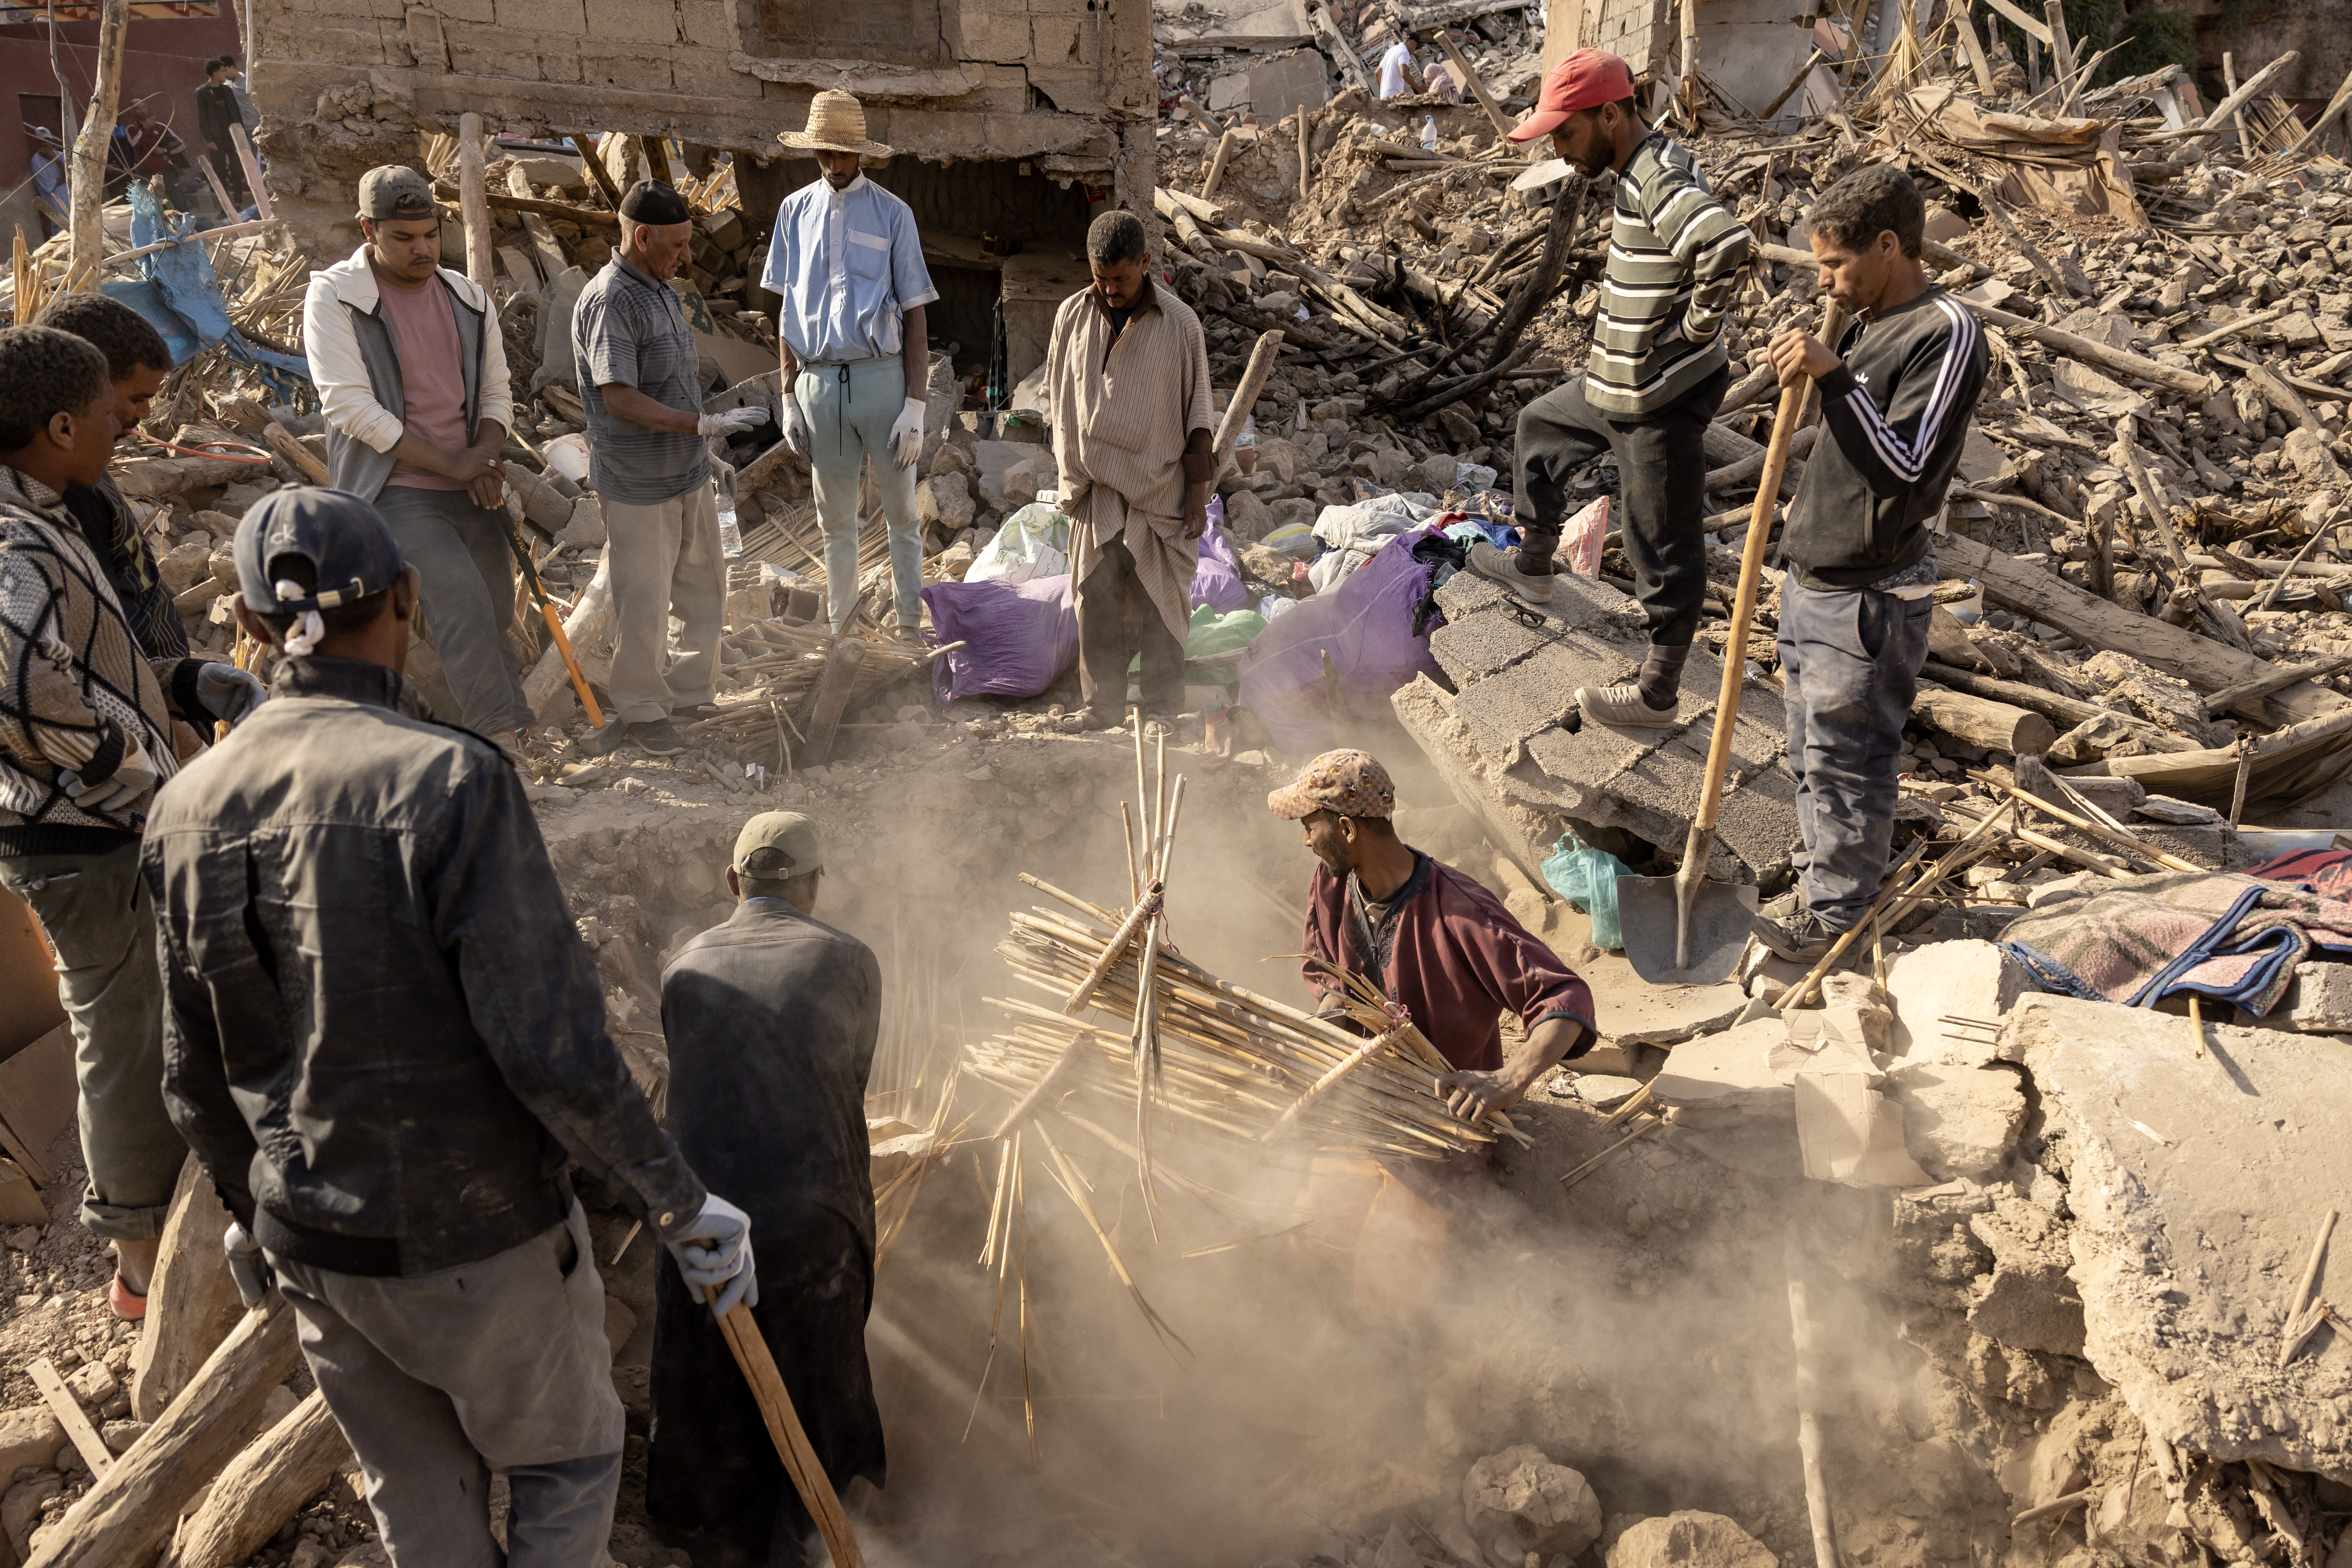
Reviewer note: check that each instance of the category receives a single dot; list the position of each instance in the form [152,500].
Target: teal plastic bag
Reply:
[1587,879]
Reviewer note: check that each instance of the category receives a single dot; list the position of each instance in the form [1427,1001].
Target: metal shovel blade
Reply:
[1647,913]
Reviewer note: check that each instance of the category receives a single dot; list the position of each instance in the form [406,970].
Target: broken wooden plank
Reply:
[2139,365]
[2028,590]
[263,1487]
[69,1412]
[192,1300]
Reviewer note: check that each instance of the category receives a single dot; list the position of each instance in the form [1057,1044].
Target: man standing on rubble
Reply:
[1658,374]
[856,351]
[1397,69]
[1897,395]
[86,716]
[640,384]
[411,366]
[385,1042]
[771,1020]
[1435,941]
[1127,381]
[216,110]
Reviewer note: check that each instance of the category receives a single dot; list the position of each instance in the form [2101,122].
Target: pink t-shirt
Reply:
[432,374]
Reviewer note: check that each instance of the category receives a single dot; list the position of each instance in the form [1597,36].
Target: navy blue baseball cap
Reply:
[349,548]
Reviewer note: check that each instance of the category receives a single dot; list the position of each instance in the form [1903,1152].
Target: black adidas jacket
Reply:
[1897,411]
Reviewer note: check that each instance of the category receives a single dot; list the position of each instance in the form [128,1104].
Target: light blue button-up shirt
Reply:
[848,265]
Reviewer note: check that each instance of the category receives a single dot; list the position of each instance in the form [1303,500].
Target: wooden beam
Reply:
[2036,30]
[253,186]
[586,147]
[2335,106]
[2209,666]
[129,1511]
[1245,398]
[265,1486]
[192,1300]
[481,258]
[564,210]
[2132,364]
[1981,721]
[1479,88]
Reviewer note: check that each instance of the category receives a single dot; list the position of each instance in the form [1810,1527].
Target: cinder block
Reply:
[2318,1000]
[558,66]
[631,21]
[425,42]
[560,18]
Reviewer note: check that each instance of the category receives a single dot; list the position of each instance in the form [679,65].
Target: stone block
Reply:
[1952,979]
[1002,36]
[560,18]
[699,75]
[706,24]
[1729,1071]
[1520,1504]
[425,42]
[642,70]
[1061,40]
[2317,1000]
[631,21]
[1958,1121]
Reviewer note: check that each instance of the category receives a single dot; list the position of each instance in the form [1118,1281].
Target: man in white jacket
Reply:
[411,367]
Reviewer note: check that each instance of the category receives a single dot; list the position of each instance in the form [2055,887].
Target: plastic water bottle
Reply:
[1429,135]
[730,538]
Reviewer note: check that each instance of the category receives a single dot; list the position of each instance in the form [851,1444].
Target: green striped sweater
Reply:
[1675,255]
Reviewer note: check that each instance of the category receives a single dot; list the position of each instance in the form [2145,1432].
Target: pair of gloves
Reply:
[713,1251]
[905,435]
[226,692]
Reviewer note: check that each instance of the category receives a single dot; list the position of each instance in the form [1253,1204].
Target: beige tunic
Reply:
[1122,413]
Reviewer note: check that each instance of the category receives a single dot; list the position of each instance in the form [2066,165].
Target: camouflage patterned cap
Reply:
[1353,783]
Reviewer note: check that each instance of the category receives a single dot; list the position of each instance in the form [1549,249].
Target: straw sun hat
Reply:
[836,123]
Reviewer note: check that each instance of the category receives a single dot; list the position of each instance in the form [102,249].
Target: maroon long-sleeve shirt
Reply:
[1450,953]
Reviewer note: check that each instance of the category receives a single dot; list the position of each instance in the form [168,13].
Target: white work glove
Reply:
[723,1260]
[228,693]
[728,423]
[906,435]
[796,427]
[134,778]
[251,1271]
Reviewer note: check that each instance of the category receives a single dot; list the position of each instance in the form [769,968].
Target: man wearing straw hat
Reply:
[849,266]
[771,1020]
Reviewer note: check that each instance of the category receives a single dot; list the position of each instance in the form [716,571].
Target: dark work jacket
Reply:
[771,1020]
[382,1032]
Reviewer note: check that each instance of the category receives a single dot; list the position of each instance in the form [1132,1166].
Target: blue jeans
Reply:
[1850,662]
[850,409]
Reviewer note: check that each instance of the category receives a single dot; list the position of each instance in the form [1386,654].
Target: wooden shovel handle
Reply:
[785,1429]
[1792,413]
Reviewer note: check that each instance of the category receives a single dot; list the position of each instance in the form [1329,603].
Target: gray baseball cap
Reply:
[394,191]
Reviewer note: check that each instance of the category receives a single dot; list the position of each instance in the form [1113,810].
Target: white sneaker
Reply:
[1488,561]
[1622,705]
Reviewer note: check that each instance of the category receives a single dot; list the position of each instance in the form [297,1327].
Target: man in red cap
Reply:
[1658,374]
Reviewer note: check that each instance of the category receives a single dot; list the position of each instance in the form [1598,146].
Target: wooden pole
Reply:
[2230,84]
[1245,398]
[1217,164]
[192,1300]
[2326,116]
[1808,1413]
[1974,47]
[596,170]
[259,192]
[89,149]
[785,1431]
[480,258]
[1566,208]
[1470,78]
[263,1487]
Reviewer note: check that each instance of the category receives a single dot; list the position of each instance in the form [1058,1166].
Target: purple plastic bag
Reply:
[1019,636]
[1367,627]
[1217,580]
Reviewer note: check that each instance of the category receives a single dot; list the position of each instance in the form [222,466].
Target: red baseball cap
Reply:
[1585,79]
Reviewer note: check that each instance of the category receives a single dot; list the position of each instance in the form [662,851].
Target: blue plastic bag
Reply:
[1587,879]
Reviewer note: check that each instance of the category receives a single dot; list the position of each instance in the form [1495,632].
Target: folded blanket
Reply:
[2138,939]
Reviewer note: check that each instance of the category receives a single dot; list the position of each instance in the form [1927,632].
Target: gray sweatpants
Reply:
[439,1380]
[1850,662]
[94,908]
[460,552]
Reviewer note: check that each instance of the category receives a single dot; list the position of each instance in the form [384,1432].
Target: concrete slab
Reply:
[2027,1302]
[2188,1250]
[1523,833]
[1230,24]
[1729,1071]
[1632,1012]
[1959,1121]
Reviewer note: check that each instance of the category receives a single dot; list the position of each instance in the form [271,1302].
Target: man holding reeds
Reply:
[1437,943]
[771,1020]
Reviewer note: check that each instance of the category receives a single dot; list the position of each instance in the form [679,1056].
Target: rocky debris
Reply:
[1519,1502]
[1689,1540]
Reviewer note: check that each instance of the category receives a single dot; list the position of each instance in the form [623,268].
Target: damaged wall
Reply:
[343,84]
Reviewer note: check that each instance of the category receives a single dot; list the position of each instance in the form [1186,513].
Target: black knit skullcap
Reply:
[651,201]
